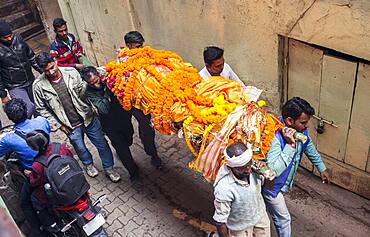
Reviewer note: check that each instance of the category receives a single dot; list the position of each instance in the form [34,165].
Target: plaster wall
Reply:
[247,29]
[48,10]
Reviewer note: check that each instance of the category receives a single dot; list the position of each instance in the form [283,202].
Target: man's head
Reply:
[239,159]
[60,28]
[134,39]
[16,110]
[38,140]
[296,113]
[6,34]
[214,60]
[91,76]
[47,64]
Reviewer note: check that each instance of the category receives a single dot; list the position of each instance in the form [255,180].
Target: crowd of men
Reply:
[72,98]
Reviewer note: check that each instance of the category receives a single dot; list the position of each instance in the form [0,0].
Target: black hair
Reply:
[43,59]
[295,107]
[16,110]
[236,149]
[5,28]
[58,22]
[38,140]
[133,37]
[87,71]
[212,53]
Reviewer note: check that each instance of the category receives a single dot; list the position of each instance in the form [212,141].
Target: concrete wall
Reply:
[48,10]
[247,29]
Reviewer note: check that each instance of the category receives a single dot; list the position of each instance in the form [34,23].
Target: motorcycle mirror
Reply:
[100,199]
[66,227]
[6,177]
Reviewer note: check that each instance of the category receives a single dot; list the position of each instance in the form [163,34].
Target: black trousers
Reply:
[146,132]
[118,127]
[29,213]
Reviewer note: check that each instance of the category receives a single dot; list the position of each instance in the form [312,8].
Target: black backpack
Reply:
[65,176]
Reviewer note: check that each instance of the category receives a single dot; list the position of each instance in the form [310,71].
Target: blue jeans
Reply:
[96,136]
[279,212]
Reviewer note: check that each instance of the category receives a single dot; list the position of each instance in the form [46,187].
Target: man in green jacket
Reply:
[115,121]
[60,97]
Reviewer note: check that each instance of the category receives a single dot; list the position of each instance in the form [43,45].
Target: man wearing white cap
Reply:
[239,207]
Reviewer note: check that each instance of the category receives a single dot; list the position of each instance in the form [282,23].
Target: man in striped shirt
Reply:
[65,49]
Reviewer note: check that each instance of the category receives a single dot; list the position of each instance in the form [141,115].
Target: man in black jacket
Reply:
[16,62]
[115,121]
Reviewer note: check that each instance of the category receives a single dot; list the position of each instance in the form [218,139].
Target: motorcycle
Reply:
[11,183]
[81,219]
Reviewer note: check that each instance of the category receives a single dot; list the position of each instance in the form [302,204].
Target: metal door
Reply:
[83,25]
[338,88]
[358,143]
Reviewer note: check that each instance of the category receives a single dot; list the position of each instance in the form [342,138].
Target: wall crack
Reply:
[301,16]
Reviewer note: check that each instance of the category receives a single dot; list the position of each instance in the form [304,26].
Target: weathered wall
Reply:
[342,25]
[48,10]
[247,29]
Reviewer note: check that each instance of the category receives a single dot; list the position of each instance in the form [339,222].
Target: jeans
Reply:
[146,132]
[279,212]
[29,212]
[24,93]
[96,136]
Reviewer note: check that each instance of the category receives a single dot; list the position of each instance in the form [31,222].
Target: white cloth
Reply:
[226,72]
[238,161]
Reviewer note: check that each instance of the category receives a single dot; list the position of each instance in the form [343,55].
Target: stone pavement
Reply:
[178,202]
[170,202]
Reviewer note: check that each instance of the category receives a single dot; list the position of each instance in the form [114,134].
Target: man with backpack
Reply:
[14,141]
[284,156]
[54,165]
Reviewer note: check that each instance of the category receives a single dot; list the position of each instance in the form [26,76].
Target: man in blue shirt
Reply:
[16,110]
[284,157]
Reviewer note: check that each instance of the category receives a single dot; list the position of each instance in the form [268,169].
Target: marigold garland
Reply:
[156,80]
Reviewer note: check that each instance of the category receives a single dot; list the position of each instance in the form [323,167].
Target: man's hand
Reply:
[27,172]
[222,230]
[288,134]
[79,66]
[325,176]
[5,100]
[66,130]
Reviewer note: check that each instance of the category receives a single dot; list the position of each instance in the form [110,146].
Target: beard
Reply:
[241,175]
[7,43]
[98,85]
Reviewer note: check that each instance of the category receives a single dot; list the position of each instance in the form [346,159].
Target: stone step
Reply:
[30,30]
[10,7]
[20,19]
